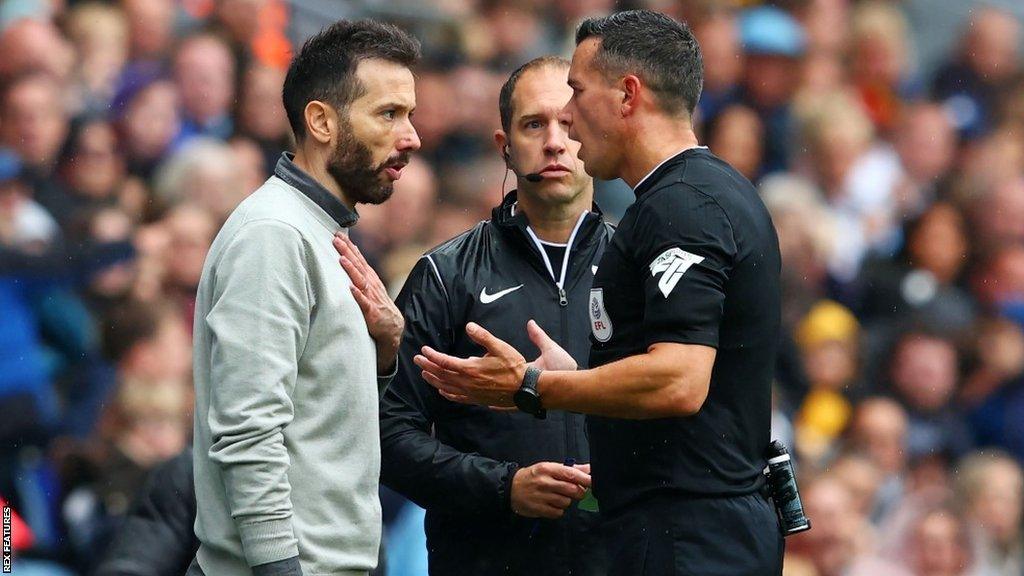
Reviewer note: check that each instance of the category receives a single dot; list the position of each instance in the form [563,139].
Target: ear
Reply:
[321,121]
[501,143]
[630,85]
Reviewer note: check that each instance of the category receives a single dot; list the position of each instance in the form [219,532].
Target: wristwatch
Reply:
[527,398]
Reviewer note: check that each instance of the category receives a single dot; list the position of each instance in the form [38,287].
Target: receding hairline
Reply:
[506,96]
[551,66]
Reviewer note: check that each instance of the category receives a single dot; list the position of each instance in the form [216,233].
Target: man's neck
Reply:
[554,222]
[314,164]
[653,144]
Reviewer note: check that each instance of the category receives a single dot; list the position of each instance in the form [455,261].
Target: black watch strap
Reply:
[529,387]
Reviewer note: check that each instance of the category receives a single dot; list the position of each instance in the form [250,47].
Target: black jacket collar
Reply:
[504,215]
[287,170]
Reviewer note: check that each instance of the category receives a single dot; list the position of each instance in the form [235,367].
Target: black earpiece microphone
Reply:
[531,177]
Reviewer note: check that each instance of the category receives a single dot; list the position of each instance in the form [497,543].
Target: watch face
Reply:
[527,400]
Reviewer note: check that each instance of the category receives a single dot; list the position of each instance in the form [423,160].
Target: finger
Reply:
[355,275]
[558,501]
[442,386]
[429,366]
[490,342]
[344,247]
[350,252]
[538,336]
[458,398]
[361,299]
[567,489]
[353,251]
[585,468]
[571,474]
[446,361]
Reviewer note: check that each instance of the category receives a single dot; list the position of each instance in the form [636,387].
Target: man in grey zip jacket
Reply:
[291,350]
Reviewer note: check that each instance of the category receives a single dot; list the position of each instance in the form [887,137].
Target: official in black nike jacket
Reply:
[500,487]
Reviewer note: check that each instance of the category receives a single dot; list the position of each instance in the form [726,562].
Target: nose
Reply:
[409,140]
[554,140]
[554,144]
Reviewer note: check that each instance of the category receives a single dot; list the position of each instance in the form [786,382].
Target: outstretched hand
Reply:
[490,380]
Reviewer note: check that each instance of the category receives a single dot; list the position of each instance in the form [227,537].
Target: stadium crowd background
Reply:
[887,139]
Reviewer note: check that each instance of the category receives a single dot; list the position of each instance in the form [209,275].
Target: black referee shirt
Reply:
[695,260]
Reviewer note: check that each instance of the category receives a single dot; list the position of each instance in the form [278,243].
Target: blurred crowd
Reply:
[886,138]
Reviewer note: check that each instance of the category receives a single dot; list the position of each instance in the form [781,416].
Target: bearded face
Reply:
[352,167]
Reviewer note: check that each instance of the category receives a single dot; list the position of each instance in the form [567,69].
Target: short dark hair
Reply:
[130,323]
[509,88]
[325,67]
[661,51]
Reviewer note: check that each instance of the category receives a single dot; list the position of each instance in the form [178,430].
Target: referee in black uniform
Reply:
[684,315]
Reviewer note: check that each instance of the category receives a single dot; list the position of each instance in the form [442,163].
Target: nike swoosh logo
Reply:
[486,298]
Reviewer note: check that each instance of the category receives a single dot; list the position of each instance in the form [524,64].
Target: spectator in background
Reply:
[149,122]
[100,35]
[855,178]
[926,143]
[718,35]
[991,490]
[988,58]
[881,63]
[997,218]
[924,372]
[204,73]
[191,230]
[25,393]
[31,45]
[937,544]
[204,171]
[878,429]
[829,344]
[260,113]
[806,231]
[91,169]
[251,162]
[146,424]
[737,136]
[862,479]
[773,44]
[35,122]
[841,542]
[148,342]
[922,284]
[151,25]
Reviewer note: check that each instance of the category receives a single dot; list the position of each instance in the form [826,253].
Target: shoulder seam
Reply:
[437,274]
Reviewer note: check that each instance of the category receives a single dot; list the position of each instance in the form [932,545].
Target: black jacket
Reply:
[156,538]
[458,461]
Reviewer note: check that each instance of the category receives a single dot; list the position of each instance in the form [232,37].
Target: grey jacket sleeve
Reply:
[259,321]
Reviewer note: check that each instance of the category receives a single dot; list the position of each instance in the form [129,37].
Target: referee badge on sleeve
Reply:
[672,264]
[600,323]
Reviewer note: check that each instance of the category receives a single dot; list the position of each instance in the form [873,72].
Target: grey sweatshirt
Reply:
[287,454]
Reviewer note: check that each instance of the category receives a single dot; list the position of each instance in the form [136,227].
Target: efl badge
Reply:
[600,323]
[672,264]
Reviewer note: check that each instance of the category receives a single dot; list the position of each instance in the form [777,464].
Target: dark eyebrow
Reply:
[530,117]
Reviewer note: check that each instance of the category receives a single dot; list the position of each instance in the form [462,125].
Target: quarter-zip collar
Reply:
[297,178]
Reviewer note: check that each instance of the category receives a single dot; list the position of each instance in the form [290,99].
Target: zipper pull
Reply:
[562,300]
